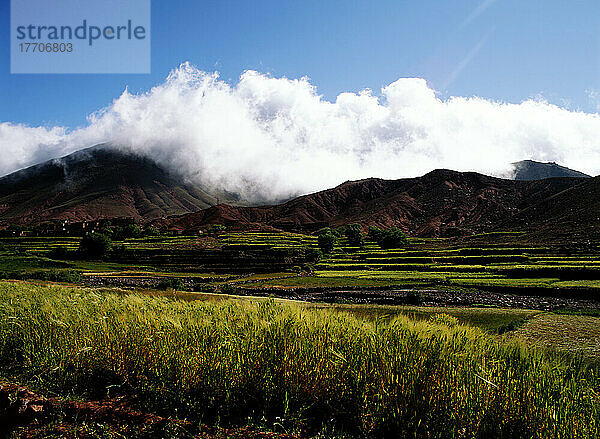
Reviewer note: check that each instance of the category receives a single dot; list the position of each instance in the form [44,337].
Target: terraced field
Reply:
[286,261]
[425,273]
[165,367]
[447,265]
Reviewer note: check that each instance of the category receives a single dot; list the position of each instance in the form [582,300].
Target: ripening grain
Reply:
[236,359]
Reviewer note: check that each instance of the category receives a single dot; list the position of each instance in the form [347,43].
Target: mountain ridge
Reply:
[440,203]
[107,182]
[534,170]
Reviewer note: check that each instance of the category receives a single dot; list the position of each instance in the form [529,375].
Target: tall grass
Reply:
[232,361]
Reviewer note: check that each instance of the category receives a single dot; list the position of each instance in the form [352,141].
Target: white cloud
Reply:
[269,138]
[22,146]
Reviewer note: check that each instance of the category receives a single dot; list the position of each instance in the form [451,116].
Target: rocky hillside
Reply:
[98,182]
[441,203]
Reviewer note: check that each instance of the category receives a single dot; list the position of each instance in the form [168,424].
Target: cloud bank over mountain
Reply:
[270,138]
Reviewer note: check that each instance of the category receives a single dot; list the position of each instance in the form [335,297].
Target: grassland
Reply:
[303,369]
[490,320]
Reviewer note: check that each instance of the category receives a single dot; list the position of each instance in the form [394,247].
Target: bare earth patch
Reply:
[29,415]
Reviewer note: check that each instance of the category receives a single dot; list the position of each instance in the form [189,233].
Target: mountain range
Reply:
[106,182]
[441,203]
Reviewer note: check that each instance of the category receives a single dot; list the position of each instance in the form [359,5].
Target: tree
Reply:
[106,230]
[95,245]
[388,238]
[118,234]
[327,240]
[133,231]
[171,283]
[354,235]
[312,254]
[151,231]
[392,238]
[339,232]
[375,233]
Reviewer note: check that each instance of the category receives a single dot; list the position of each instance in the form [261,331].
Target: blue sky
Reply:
[506,50]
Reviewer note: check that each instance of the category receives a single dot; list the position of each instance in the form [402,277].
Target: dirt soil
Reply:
[27,414]
[425,297]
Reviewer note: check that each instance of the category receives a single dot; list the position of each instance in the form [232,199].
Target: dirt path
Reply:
[423,297]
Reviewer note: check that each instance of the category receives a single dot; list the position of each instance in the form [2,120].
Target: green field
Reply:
[422,263]
[333,372]
[185,324]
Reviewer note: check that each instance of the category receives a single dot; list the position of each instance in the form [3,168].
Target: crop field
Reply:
[421,263]
[306,370]
[438,338]
[578,334]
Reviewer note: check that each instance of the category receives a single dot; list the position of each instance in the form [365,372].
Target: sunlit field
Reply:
[201,330]
[303,368]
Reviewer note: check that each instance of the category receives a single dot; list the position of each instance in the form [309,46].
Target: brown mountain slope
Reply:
[573,213]
[441,203]
[98,182]
[532,170]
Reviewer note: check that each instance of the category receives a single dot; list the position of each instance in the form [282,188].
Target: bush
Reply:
[58,253]
[106,230]
[211,289]
[313,254]
[354,235]
[327,241]
[228,289]
[151,231]
[375,233]
[69,275]
[339,232]
[215,229]
[133,231]
[171,283]
[118,234]
[392,238]
[94,245]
